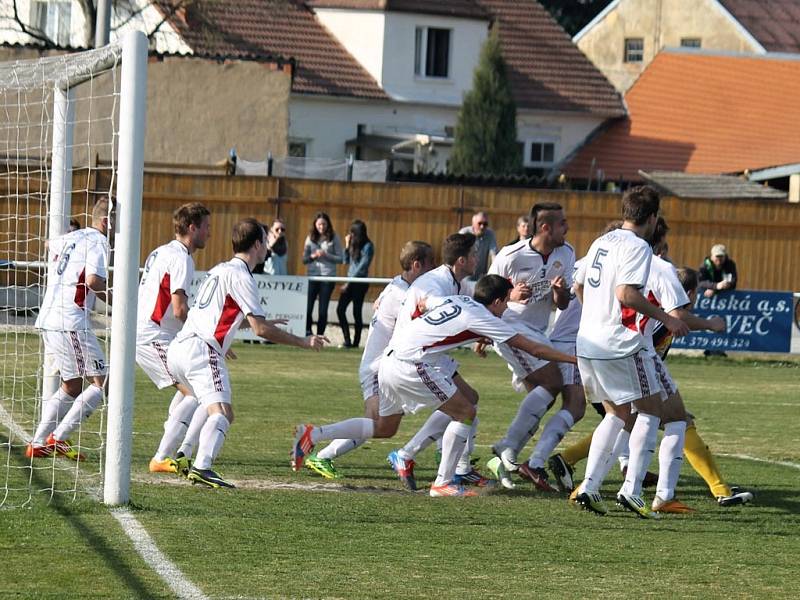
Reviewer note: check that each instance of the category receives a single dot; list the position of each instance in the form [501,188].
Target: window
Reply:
[634,50]
[691,43]
[542,153]
[297,149]
[52,19]
[431,52]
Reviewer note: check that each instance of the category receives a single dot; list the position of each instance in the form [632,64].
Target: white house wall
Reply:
[568,131]
[361,33]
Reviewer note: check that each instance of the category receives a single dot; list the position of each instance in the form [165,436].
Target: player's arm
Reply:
[180,305]
[695,323]
[100,288]
[269,331]
[538,350]
[630,296]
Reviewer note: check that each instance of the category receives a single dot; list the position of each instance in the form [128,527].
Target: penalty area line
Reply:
[780,463]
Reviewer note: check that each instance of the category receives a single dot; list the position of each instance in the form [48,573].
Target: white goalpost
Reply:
[71,132]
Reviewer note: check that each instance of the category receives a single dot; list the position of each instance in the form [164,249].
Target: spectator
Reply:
[485,243]
[277,250]
[322,252]
[523,230]
[74,225]
[358,254]
[718,272]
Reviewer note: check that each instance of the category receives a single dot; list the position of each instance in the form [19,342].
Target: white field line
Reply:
[144,544]
[780,463]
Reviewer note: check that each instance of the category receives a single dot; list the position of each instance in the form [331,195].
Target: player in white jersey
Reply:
[416,258]
[163,308]
[612,355]
[541,269]
[197,355]
[77,273]
[411,376]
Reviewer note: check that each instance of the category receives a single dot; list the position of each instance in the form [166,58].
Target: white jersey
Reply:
[382,325]
[521,263]
[608,329]
[434,286]
[169,268]
[71,259]
[567,321]
[226,297]
[664,290]
[457,321]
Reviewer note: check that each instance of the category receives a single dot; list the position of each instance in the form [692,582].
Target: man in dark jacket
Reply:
[718,272]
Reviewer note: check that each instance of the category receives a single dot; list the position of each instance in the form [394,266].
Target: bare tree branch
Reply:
[35,33]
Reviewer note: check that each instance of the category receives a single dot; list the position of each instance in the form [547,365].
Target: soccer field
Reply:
[282,534]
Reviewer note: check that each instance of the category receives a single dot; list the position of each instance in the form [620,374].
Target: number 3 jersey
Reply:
[169,268]
[455,322]
[71,260]
[225,298]
[608,329]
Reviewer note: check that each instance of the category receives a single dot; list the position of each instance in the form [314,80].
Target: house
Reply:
[625,37]
[385,78]
[701,112]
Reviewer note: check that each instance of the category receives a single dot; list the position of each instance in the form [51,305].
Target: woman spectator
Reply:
[358,254]
[277,250]
[322,252]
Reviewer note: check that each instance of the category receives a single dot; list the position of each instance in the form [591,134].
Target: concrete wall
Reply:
[661,23]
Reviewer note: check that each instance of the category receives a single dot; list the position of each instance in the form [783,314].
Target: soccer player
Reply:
[416,259]
[612,355]
[77,274]
[197,355]
[163,308]
[541,270]
[411,377]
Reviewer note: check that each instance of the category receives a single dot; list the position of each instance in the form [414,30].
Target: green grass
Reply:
[371,540]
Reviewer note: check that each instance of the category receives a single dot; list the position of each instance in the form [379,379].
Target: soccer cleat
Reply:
[737,498]
[537,476]
[322,466]
[497,469]
[474,478]
[451,489]
[404,469]
[573,497]
[636,505]
[303,446]
[38,451]
[650,478]
[563,472]
[208,477]
[508,456]
[167,465]
[64,448]
[673,506]
[591,501]
[184,464]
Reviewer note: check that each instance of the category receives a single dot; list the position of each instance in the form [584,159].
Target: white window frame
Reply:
[421,34]
[54,19]
[630,54]
[528,160]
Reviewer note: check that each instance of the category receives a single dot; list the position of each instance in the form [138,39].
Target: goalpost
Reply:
[60,117]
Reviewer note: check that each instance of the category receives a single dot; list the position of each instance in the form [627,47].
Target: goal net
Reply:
[61,117]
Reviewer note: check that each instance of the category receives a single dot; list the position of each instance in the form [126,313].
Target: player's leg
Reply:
[57,359]
[465,473]
[456,436]
[176,426]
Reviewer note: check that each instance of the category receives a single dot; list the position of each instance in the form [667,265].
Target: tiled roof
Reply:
[453,8]
[774,23]
[700,112]
[269,28]
[684,185]
[547,71]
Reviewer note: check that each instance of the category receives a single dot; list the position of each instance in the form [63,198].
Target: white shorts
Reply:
[520,362]
[73,354]
[570,375]
[197,365]
[369,386]
[619,380]
[668,386]
[152,358]
[406,387]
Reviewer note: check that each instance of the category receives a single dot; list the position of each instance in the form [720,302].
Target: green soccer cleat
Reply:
[208,477]
[497,469]
[184,463]
[592,502]
[636,505]
[322,466]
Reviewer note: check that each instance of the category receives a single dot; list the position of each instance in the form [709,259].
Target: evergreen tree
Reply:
[486,130]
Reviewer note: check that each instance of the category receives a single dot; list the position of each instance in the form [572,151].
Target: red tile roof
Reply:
[453,8]
[774,23]
[699,112]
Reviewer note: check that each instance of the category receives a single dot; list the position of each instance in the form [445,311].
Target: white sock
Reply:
[432,430]
[356,428]
[555,430]
[642,445]
[453,442]
[620,444]
[53,410]
[526,422]
[338,447]
[192,437]
[176,399]
[464,465]
[600,452]
[211,439]
[622,450]
[670,459]
[175,427]
[85,404]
